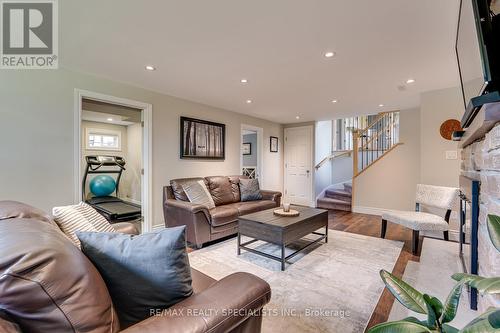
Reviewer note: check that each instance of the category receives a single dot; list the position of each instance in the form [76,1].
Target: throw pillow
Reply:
[143,273]
[81,217]
[249,190]
[70,220]
[197,192]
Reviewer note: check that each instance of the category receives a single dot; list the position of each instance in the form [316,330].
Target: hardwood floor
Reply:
[369,225]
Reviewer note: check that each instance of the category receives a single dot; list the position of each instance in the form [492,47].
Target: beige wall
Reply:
[37,137]
[436,107]
[132,176]
[391,182]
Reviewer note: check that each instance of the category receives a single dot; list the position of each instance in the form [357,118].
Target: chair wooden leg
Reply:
[414,243]
[446,236]
[383,229]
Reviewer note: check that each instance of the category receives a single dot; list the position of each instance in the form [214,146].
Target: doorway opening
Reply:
[113,162]
[251,152]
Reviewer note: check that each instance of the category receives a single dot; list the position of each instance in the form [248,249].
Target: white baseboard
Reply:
[369,210]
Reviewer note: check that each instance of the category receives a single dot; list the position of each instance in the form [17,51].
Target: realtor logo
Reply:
[29,34]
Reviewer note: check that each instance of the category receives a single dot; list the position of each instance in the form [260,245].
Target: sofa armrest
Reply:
[125,228]
[223,307]
[272,195]
[187,207]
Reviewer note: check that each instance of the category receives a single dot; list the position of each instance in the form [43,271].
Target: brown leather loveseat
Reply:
[48,285]
[204,225]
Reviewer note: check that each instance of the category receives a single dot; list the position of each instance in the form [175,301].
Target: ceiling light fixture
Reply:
[298,117]
[381,105]
[249,101]
[110,119]
[334,101]
[409,81]
[244,81]
[329,54]
[150,68]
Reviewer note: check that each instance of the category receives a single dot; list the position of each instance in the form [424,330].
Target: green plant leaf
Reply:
[481,324]
[431,313]
[486,285]
[404,293]
[494,319]
[483,285]
[451,304]
[494,230]
[449,329]
[399,327]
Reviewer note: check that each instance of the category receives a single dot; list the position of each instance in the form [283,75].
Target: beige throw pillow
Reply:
[197,192]
[81,217]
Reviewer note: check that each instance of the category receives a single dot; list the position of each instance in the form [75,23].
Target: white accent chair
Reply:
[427,195]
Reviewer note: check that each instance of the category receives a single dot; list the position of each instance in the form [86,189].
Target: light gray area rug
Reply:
[439,260]
[331,287]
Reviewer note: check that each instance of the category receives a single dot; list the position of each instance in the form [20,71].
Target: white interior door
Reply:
[298,165]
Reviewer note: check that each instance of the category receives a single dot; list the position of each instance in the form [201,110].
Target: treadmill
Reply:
[112,208]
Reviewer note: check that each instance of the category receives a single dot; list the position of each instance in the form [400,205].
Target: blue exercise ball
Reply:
[102,185]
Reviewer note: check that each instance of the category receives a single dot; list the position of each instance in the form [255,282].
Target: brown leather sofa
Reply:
[203,224]
[48,285]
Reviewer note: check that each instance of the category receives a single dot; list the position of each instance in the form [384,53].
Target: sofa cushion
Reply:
[47,284]
[250,207]
[143,273]
[221,190]
[222,215]
[197,193]
[235,186]
[250,190]
[177,187]
[16,209]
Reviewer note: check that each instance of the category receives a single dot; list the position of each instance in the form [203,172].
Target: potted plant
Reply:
[439,314]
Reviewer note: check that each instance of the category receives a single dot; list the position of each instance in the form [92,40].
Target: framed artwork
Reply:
[246,149]
[274,145]
[202,139]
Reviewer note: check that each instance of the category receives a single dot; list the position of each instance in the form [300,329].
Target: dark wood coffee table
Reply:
[265,226]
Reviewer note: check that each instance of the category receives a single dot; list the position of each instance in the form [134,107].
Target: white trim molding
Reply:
[147,119]
[369,210]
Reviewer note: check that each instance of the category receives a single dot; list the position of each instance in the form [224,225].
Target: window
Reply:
[101,139]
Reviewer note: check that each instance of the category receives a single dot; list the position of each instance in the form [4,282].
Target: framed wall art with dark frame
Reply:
[246,149]
[201,139]
[273,144]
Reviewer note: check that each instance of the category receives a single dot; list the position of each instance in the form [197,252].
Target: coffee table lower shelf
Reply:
[283,259]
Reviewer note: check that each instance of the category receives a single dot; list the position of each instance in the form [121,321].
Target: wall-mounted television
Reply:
[477,48]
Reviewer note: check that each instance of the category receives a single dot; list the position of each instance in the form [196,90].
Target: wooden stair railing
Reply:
[375,141]
[333,155]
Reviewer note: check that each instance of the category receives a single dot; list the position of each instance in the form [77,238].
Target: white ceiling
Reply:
[203,48]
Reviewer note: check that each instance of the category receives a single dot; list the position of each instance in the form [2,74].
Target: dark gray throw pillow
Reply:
[249,190]
[143,273]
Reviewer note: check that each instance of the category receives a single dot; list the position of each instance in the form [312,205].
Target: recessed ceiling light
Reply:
[410,81]
[298,117]
[249,101]
[110,119]
[244,81]
[334,101]
[150,68]
[329,54]
[381,105]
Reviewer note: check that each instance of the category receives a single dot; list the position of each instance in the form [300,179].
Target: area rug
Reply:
[331,287]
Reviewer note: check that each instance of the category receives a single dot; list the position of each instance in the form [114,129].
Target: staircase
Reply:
[337,198]
[367,146]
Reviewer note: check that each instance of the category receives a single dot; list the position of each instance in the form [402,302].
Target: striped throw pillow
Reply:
[70,220]
[96,219]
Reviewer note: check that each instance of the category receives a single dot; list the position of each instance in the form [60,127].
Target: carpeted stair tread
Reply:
[338,194]
[329,203]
